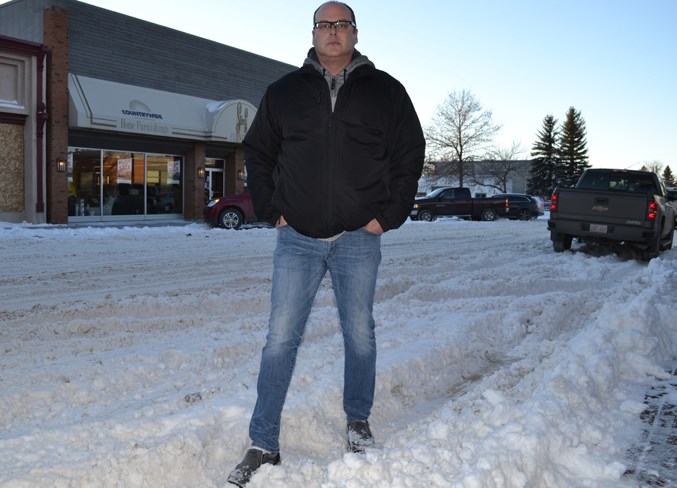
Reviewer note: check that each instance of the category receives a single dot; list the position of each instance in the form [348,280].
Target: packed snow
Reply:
[130,356]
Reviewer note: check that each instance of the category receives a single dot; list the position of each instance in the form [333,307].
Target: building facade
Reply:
[104,117]
[484,177]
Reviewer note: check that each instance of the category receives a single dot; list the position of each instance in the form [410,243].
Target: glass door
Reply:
[215,178]
[214,183]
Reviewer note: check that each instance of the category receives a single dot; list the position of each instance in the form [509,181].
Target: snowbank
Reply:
[129,358]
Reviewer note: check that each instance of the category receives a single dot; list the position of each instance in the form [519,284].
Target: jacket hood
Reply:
[358,60]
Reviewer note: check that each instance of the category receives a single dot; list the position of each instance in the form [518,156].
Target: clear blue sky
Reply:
[614,60]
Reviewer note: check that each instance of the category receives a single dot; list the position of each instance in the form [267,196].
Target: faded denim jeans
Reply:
[300,263]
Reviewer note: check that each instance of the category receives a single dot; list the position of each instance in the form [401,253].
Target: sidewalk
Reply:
[112,224]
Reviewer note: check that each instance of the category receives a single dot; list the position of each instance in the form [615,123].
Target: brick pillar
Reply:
[56,40]
[234,167]
[194,184]
[230,174]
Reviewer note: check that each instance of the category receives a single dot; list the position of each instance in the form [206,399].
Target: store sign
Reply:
[140,118]
[241,123]
[229,119]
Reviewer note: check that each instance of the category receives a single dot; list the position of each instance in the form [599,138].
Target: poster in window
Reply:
[174,172]
[124,170]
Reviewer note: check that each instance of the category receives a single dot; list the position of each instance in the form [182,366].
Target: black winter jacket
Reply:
[333,171]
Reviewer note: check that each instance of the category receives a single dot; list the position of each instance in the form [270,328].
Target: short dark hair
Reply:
[352,14]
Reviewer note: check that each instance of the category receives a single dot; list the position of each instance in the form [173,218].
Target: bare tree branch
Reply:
[502,165]
[459,134]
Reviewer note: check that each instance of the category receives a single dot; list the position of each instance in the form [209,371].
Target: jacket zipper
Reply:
[331,153]
[332,94]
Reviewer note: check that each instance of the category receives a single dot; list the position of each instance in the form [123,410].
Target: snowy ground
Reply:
[129,358]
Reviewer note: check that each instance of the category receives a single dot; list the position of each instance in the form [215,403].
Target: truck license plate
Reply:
[599,228]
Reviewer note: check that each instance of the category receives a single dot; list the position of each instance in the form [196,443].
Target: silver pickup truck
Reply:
[611,206]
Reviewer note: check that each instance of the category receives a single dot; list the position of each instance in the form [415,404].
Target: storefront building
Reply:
[105,118]
[22,121]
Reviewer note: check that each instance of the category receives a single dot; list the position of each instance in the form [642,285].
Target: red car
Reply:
[230,212]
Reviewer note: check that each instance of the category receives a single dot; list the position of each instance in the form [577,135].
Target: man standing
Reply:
[333,160]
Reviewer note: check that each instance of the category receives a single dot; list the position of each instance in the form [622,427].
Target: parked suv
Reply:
[520,206]
[672,194]
[230,212]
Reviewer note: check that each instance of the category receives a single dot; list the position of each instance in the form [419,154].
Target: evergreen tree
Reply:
[545,162]
[668,177]
[573,147]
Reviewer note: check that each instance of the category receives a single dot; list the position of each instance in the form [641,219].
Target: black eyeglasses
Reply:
[339,25]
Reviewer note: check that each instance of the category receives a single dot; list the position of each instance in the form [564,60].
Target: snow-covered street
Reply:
[129,358]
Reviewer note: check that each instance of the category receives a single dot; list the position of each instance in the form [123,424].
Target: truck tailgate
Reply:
[608,207]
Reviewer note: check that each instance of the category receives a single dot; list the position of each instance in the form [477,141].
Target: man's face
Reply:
[334,42]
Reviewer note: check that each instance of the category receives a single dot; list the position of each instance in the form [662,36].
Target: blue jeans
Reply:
[299,264]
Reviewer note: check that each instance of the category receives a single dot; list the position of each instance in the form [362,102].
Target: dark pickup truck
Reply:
[457,202]
[610,207]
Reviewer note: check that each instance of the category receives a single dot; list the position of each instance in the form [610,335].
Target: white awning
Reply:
[106,105]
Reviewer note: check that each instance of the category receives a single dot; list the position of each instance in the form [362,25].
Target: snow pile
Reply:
[129,358]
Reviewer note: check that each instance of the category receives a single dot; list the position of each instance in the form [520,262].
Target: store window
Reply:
[163,184]
[104,185]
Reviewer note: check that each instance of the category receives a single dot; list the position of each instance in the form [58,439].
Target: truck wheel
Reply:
[561,242]
[666,245]
[231,218]
[652,250]
[426,216]
[488,214]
